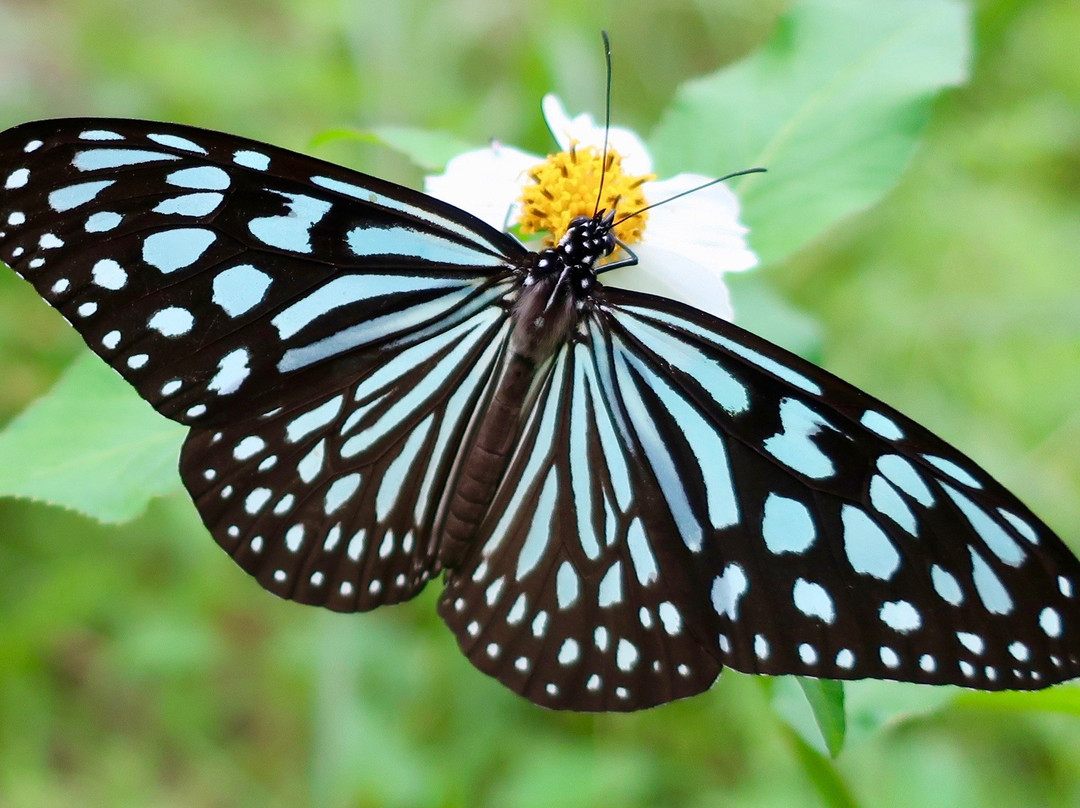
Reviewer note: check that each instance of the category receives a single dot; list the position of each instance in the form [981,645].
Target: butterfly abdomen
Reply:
[541,321]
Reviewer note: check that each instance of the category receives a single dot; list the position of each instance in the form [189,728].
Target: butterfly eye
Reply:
[625,495]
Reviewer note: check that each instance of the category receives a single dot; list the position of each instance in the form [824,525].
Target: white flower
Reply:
[687,246]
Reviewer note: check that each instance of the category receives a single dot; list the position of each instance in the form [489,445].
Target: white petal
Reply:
[584,130]
[703,227]
[485,182]
[670,274]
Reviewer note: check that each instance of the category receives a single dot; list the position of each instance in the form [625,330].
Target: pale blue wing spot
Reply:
[787,525]
[399,241]
[866,545]
[569,652]
[991,591]
[881,425]
[201,204]
[641,554]
[889,657]
[900,616]
[888,502]
[345,290]
[176,142]
[581,478]
[611,586]
[98,159]
[100,134]
[567,586]
[171,250]
[393,482]
[808,654]
[102,222]
[17,179]
[728,589]
[952,470]
[239,289]
[536,540]
[946,585]
[613,451]
[845,659]
[340,491]
[314,419]
[251,159]
[108,274]
[813,600]
[256,500]
[517,611]
[1025,530]
[294,538]
[761,647]
[65,199]
[1050,622]
[232,371]
[729,393]
[1019,651]
[248,447]
[311,464]
[972,642]
[670,617]
[173,321]
[904,476]
[626,655]
[793,445]
[1000,543]
[291,231]
[200,178]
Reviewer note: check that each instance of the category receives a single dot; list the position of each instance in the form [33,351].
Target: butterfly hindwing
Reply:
[330,499]
[570,595]
[215,273]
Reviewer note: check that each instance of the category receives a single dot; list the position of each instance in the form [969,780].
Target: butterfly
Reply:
[623,494]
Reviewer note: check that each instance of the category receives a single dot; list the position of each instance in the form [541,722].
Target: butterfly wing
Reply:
[710,499]
[218,274]
[326,333]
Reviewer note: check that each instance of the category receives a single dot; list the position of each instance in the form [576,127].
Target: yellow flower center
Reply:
[566,185]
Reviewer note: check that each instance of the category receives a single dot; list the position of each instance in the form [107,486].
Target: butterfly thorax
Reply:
[559,286]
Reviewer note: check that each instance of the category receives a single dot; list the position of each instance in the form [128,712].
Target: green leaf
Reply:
[429,149]
[833,104]
[823,775]
[761,309]
[92,445]
[814,708]
[874,705]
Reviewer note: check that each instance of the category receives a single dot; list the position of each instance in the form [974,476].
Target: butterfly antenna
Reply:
[639,211]
[607,123]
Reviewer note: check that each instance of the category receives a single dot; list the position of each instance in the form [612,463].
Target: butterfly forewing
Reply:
[215,273]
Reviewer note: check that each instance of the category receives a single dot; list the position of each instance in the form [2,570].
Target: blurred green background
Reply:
[138,666]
